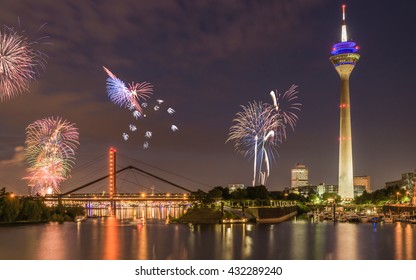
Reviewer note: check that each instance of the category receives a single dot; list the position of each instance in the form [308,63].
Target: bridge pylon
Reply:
[112,182]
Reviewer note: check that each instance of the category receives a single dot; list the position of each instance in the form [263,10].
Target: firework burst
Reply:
[20,63]
[50,152]
[260,127]
[127,96]
[136,98]
[253,135]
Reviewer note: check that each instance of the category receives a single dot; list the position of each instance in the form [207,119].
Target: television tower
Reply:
[344,57]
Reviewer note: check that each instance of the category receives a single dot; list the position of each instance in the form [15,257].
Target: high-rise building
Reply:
[299,176]
[362,181]
[344,57]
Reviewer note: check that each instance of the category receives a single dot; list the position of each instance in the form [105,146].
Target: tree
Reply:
[239,194]
[331,196]
[257,192]
[11,209]
[31,210]
[215,194]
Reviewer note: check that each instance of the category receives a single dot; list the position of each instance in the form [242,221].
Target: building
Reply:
[407,182]
[234,187]
[359,190]
[308,190]
[299,177]
[344,57]
[362,182]
[323,188]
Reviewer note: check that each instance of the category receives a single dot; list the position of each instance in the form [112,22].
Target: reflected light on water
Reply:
[142,251]
[113,238]
[52,244]
[112,242]
[403,240]
[347,247]
[247,242]
[227,242]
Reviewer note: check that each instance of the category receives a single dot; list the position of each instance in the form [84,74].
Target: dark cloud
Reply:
[17,160]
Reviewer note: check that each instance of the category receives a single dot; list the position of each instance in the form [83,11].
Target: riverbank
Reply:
[22,223]
[205,216]
[254,215]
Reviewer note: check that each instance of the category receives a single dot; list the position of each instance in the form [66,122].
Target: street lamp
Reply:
[397,197]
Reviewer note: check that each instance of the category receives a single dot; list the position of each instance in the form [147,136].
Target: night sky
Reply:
[205,59]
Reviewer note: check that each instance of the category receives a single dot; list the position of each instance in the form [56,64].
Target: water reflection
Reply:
[161,212]
[347,243]
[403,239]
[51,243]
[112,240]
[115,238]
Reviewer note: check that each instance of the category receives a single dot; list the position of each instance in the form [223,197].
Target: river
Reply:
[116,237]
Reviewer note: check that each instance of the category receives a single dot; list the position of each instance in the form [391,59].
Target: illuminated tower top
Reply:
[344,37]
[345,46]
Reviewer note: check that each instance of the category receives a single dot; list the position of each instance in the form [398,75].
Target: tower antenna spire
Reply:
[344,37]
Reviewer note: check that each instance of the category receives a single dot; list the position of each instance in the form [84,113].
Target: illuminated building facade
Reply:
[299,177]
[323,188]
[362,182]
[344,57]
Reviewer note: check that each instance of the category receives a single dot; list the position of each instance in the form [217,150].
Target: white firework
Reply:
[160,101]
[148,134]
[137,115]
[132,127]
[125,136]
[144,104]
[156,108]
[145,145]
[174,128]
[170,111]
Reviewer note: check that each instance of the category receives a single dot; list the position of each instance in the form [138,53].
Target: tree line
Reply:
[378,197]
[33,209]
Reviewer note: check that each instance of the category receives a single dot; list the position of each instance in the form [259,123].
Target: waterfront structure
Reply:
[299,177]
[344,57]
[362,182]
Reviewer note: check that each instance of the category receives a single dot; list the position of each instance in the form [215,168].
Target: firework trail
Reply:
[127,97]
[260,127]
[50,152]
[286,107]
[136,98]
[20,63]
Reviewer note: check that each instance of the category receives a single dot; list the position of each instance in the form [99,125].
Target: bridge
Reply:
[110,195]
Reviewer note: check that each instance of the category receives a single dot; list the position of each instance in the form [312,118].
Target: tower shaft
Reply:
[344,64]
[345,174]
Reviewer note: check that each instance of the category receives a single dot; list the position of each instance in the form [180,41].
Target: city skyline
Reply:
[206,60]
